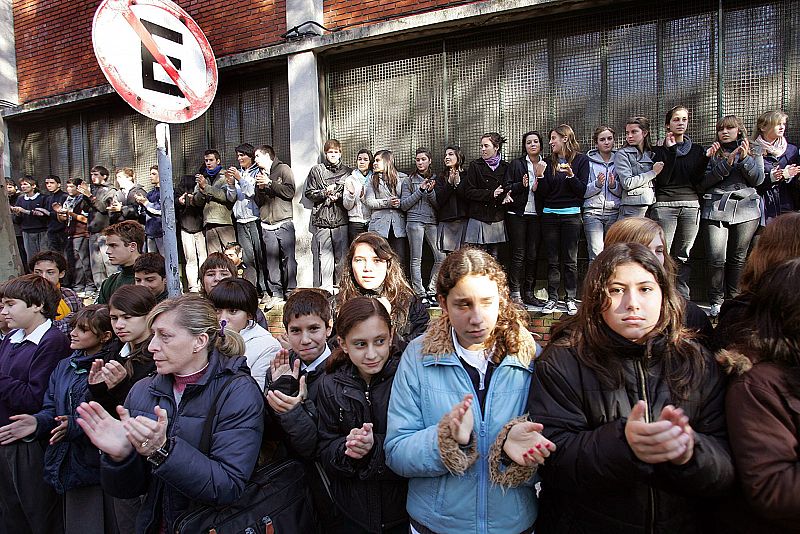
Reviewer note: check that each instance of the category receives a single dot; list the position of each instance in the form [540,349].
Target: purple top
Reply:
[25,372]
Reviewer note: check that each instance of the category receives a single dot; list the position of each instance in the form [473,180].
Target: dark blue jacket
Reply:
[153,225]
[73,462]
[188,476]
[780,197]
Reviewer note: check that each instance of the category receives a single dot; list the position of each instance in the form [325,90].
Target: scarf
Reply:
[212,173]
[331,167]
[493,162]
[776,148]
[683,148]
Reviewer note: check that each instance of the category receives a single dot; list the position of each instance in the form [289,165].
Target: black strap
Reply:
[205,437]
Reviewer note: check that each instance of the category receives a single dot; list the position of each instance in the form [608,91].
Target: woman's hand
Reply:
[105,432]
[612,179]
[525,180]
[525,444]
[22,426]
[601,179]
[669,140]
[713,149]
[462,421]
[790,171]
[394,202]
[658,166]
[498,191]
[657,442]
[144,434]
[112,373]
[359,442]
[58,433]
[744,148]
[350,186]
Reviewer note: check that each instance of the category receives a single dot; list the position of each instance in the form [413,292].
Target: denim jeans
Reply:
[525,234]
[726,248]
[561,234]
[626,211]
[595,225]
[280,259]
[35,242]
[680,225]
[249,238]
[194,250]
[417,232]
[82,275]
[329,248]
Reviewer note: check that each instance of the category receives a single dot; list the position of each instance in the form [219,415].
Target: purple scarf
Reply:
[493,162]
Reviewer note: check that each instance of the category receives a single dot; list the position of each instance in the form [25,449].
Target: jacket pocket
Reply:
[438,502]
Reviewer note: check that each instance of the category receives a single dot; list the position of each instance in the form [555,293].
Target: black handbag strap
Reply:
[205,437]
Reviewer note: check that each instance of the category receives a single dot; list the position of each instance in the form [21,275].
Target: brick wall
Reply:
[54,47]
[340,13]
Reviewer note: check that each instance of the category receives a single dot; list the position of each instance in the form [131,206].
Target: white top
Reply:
[475,358]
[260,349]
[35,337]
[530,207]
[316,363]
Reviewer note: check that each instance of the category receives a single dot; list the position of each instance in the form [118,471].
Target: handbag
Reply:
[276,499]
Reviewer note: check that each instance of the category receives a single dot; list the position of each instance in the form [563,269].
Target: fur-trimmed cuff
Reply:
[455,458]
[513,475]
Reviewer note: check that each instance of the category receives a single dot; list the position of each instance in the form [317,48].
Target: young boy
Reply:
[234,252]
[292,384]
[74,213]
[151,203]
[100,196]
[149,271]
[27,357]
[124,242]
[211,194]
[52,266]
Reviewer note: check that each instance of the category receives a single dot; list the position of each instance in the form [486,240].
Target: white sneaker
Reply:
[572,308]
[549,306]
[714,309]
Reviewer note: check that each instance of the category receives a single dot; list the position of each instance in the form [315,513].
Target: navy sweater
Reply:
[558,191]
[25,372]
[29,222]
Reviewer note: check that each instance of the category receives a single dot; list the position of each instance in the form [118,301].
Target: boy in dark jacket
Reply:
[292,383]
[28,356]
[74,213]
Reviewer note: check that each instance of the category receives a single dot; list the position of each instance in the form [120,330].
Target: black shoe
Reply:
[530,299]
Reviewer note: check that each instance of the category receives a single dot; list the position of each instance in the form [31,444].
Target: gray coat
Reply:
[729,190]
[601,198]
[635,172]
[384,217]
[420,206]
[215,202]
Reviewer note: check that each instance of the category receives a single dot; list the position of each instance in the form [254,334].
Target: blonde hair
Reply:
[768,120]
[198,316]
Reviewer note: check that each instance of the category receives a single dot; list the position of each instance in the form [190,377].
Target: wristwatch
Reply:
[159,455]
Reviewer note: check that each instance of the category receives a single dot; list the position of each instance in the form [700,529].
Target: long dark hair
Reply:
[681,361]
[774,317]
[389,174]
[353,312]
[395,287]
[136,301]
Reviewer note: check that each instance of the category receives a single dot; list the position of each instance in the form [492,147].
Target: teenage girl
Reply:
[352,401]
[677,206]
[634,406]
[418,200]
[780,189]
[484,189]
[603,191]
[636,169]
[523,220]
[452,214]
[353,195]
[382,196]
[457,393]
[562,188]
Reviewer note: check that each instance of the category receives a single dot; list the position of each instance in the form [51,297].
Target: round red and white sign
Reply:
[156,57]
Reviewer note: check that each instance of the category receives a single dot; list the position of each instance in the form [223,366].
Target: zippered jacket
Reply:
[366,490]
[429,381]
[594,482]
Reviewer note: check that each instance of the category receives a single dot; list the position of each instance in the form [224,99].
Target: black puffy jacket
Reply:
[478,187]
[366,490]
[594,482]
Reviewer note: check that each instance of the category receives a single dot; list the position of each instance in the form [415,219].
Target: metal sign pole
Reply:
[168,210]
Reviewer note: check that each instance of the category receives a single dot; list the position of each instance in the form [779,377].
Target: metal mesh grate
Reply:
[583,69]
[114,136]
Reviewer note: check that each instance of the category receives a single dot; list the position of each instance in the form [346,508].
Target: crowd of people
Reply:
[637,416]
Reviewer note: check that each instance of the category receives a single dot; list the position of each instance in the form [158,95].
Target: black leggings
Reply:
[525,233]
[561,234]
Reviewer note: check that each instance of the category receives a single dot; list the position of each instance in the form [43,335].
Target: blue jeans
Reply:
[417,232]
[681,225]
[595,225]
[249,238]
[726,248]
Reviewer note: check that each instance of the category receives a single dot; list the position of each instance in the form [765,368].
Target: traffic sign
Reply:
[156,57]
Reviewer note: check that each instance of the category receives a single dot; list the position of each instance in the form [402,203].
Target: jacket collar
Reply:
[438,349]
[161,386]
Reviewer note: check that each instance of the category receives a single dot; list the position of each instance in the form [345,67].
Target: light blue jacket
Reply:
[428,383]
